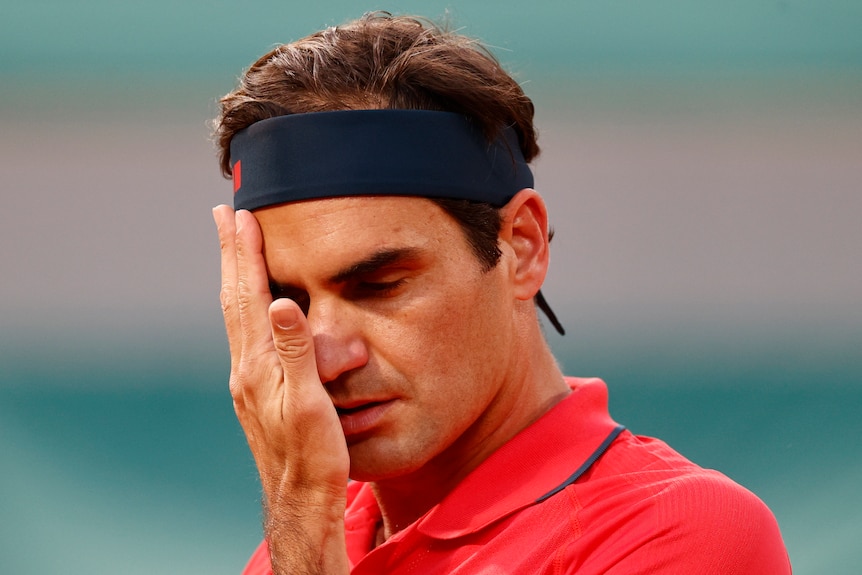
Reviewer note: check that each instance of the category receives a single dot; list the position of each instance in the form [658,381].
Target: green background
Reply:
[703,167]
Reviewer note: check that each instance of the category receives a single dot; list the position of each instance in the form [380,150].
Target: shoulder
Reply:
[712,523]
[668,515]
[676,487]
[711,509]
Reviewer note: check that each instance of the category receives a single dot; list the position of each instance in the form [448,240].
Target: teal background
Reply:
[702,164]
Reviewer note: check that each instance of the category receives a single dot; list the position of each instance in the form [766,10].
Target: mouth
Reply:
[357,418]
[357,408]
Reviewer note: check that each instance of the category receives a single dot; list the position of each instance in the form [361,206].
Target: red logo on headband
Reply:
[237,176]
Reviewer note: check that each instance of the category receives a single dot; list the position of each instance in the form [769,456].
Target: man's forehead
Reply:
[355,220]
[338,238]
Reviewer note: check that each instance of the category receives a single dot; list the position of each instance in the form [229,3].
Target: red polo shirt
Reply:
[574,493]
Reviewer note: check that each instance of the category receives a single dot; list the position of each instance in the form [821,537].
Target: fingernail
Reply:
[283,318]
[242,217]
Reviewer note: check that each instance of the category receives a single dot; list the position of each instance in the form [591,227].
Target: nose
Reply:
[339,343]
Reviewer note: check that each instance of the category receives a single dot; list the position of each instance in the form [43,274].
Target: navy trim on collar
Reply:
[586,464]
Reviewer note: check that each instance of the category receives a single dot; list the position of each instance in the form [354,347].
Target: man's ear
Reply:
[525,230]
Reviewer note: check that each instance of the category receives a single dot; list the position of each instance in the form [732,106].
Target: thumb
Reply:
[293,342]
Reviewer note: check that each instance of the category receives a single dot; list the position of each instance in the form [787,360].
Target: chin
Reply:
[374,465]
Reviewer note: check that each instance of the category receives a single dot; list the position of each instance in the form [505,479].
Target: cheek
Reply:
[445,368]
[433,330]
[447,342]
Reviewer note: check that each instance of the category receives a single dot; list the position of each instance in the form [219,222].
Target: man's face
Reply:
[412,337]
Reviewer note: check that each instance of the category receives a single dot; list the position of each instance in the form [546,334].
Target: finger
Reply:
[226,226]
[322,454]
[252,286]
[293,342]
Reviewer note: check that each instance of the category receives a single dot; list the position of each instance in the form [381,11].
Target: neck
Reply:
[522,400]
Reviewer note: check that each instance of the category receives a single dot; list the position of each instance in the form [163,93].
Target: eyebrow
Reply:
[374,262]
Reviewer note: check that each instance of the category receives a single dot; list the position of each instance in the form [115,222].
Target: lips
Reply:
[356,408]
[361,417]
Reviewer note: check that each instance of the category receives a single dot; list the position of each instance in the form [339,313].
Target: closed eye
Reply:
[378,289]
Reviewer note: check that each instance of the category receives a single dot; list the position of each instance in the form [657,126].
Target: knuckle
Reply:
[253,372]
[225,243]
[236,392]
[293,348]
[238,382]
[244,299]
[227,297]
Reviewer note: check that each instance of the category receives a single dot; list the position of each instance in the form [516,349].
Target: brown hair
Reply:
[395,62]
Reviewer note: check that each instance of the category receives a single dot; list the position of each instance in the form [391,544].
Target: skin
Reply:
[390,357]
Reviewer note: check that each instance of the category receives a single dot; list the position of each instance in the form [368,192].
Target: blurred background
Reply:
[702,162]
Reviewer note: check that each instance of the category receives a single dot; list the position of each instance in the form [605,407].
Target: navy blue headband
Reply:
[368,152]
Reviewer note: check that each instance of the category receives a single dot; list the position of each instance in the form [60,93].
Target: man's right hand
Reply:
[288,418]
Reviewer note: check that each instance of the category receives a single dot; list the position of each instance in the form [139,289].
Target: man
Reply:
[381,279]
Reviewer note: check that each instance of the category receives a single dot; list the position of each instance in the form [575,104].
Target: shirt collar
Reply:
[532,464]
[529,466]
[360,521]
